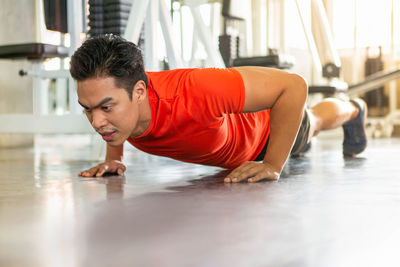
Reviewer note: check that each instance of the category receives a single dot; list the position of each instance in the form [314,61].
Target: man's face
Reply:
[108,108]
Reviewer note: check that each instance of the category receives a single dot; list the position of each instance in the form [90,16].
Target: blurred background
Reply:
[344,48]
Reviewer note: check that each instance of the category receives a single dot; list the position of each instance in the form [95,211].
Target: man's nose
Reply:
[98,120]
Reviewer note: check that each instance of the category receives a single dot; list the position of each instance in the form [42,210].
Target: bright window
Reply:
[363,23]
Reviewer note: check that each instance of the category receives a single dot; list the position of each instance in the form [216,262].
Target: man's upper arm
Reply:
[263,86]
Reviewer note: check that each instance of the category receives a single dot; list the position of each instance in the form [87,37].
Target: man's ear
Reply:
[139,91]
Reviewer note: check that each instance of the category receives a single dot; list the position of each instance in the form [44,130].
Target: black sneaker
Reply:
[355,139]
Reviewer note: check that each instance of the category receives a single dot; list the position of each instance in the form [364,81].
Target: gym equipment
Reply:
[230,45]
[108,16]
[41,121]
[376,100]
[33,51]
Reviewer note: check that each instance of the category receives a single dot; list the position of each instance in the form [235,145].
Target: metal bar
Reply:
[40,93]
[310,39]
[29,123]
[75,23]
[204,34]
[61,96]
[135,20]
[174,59]
[322,34]
[150,37]
[48,74]
[373,81]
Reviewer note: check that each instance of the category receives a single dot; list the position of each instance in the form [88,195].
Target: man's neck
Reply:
[144,118]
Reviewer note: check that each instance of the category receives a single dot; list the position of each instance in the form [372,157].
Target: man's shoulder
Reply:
[192,81]
[169,73]
[188,72]
[169,83]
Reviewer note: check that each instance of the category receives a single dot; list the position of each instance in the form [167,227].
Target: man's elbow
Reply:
[299,87]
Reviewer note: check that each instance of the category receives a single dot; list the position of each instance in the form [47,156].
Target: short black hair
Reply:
[109,55]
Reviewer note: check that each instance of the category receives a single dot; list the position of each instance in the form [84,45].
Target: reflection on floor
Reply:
[324,211]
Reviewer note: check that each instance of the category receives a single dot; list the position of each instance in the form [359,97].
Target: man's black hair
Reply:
[109,56]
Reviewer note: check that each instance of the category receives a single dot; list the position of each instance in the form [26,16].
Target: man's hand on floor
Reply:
[253,172]
[111,166]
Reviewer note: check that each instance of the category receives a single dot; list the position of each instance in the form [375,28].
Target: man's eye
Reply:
[106,108]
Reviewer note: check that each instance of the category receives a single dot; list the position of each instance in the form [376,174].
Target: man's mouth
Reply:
[108,136]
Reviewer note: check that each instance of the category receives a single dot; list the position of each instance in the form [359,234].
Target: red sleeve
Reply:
[210,93]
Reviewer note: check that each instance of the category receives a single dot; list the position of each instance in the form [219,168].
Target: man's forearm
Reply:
[114,153]
[286,115]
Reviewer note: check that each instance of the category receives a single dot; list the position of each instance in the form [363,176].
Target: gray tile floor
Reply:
[324,211]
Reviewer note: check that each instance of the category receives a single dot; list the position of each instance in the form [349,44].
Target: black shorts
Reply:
[300,144]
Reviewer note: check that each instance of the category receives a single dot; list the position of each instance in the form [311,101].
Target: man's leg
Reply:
[332,113]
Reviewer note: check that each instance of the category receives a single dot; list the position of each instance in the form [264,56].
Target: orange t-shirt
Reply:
[196,117]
